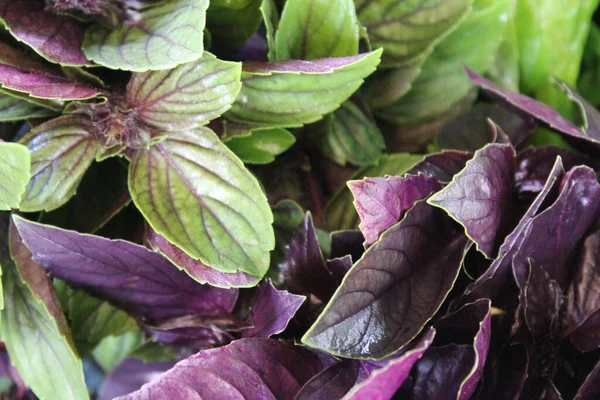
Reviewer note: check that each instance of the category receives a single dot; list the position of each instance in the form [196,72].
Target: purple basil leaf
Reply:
[585,337]
[332,383]
[9,371]
[272,310]
[480,197]
[583,298]
[195,268]
[535,109]
[195,331]
[303,270]
[247,368]
[54,37]
[541,301]
[590,389]
[442,166]
[552,392]
[471,131]
[552,238]
[591,116]
[493,282]
[386,376]
[339,267]
[128,275]
[22,73]
[394,289]
[470,324]
[535,163]
[345,243]
[439,373]
[382,201]
[130,375]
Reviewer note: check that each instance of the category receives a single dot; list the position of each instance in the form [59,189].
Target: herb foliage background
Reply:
[291,199]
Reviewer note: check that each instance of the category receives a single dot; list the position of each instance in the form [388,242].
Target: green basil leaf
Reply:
[340,212]
[271,20]
[194,191]
[185,97]
[35,331]
[293,93]
[14,175]
[15,109]
[93,320]
[261,145]
[61,151]
[408,30]
[168,33]
[114,349]
[317,29]
[385,87]
[443,82]
[353,137]
[232,22]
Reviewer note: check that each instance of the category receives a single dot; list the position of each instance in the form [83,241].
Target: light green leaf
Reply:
[353,137]
[505,68]
[551,41]
[317,29]
[93,320]
[61,151]
[340,212]
[293,93]
[443,82]
[261,145]
[271,20]
[35,333]
[589,78]
[15,109]
[14,174]
[408,30]
[185,97]
[194,191]
[114,349]
[54,105]
[232,22]
[168,33]
[154,352]
[385,87]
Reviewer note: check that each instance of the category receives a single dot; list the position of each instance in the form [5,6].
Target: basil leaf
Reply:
[15,173]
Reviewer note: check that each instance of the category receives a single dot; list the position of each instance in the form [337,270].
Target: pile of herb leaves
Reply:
[292,199]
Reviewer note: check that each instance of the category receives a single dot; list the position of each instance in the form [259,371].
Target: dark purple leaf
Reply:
[195,331]
[552,392]
[382,201]
[535,163]
[480,197]
[19,72]
[590,390]
[56,38]
[7,370]
[541,301]
[247,368]
[303,270]
[332,383]
[195,268]
[471,131]
[493,283]
[442,166]
[272,311]
[587,336]
[386,376]
[471,324]
[394,289]
[339,267]
[345,243]
[130,276]
[583,296]
[130,375]
[535,109]
[439,373]
[590,114]
[552,238]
